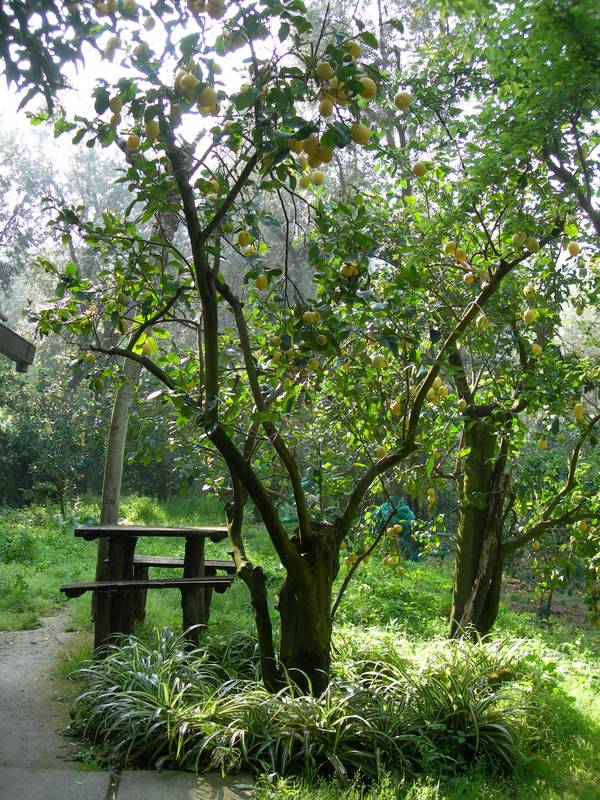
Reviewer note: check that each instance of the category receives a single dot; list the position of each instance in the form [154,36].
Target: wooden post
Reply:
[193,599]
[102,622]
[120,568]
[140,572]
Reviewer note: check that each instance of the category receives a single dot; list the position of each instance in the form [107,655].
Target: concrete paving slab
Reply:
[146,785]
[19,783]
[31,716]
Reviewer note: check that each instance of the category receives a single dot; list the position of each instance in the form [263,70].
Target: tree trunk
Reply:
[162,483]
[113,475]
[165,226]
[255,579]
[545,609]
[478,566]
[489,609]
[304,606]
[61,499]
[115,453]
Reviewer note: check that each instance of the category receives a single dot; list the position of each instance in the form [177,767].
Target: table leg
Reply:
[101,603]
[120,568]
[140,572]
[102,615]
[193,599]
[208,592]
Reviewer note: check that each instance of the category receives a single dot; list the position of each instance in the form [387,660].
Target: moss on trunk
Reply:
[304,606]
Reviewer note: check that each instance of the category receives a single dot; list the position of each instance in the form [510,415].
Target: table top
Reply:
[90,532]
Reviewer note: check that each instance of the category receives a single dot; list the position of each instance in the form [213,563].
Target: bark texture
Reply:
[304,606]
[115,447]
[478,565]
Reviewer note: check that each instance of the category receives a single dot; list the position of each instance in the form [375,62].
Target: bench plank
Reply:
[159,561]
[91,532]
[178,561]
[216,582]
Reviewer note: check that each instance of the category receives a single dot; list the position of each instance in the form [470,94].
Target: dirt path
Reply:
[31,716]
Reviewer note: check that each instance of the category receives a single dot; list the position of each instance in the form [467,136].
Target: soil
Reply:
[518,597]
[31,713]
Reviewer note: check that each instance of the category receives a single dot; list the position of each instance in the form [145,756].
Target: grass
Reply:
[382,612]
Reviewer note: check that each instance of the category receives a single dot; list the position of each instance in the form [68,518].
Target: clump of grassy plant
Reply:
[206,708]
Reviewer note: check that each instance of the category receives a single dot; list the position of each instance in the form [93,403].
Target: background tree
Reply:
[51,437]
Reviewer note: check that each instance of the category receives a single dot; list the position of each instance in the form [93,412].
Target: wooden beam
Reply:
[16,348]
[91,532]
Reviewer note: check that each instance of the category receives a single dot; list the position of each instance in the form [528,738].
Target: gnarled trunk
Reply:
[478,565]
[304,606]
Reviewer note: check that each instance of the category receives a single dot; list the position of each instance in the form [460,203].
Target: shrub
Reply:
[141,510]
[17,545]
[206,708]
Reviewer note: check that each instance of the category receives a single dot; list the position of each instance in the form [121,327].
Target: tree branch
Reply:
[570,181]
[152,368]
[409,444]
[230,199]
[455,360]
[547,521]
[290,558]
[286,457]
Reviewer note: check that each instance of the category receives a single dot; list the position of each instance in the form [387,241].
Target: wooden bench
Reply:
[219,583]
[129,592]
[211,567]
[141,568]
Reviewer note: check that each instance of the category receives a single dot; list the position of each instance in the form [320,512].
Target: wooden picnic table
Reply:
[117,600]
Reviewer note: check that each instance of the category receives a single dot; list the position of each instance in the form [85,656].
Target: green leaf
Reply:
[264,416]
[188,44]
[396,23]
[102,100]
[369,38]
[247,99]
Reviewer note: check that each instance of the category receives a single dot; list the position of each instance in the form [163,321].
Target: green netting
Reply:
[396,512]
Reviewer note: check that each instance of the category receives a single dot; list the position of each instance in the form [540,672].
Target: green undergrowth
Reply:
[402,718]
[451,705]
